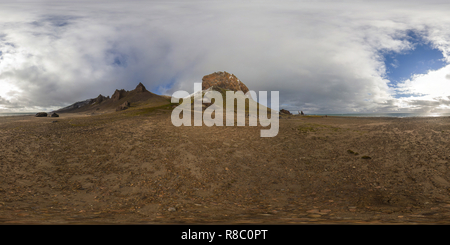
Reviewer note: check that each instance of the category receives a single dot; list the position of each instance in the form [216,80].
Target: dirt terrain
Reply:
[135,167]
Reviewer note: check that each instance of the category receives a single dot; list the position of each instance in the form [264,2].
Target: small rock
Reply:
[172,209]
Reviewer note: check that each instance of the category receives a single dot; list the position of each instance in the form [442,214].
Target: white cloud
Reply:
[321,57]
[432,84]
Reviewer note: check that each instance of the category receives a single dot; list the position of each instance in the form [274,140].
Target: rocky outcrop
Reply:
[123,106]
[139,94]
[118,94]
[283,111]
[140,88]
[41,114]
[223,80]
[54,115]
[100,98]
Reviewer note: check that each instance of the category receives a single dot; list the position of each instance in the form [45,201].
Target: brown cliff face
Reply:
[140,88]
[100,99]
[223,80]
[118,94]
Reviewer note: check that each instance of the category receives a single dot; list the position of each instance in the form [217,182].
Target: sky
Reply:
[322,56]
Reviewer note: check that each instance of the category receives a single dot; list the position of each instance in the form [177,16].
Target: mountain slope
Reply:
[223,82]
[139,97]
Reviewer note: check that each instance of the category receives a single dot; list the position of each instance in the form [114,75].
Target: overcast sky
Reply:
[322,57]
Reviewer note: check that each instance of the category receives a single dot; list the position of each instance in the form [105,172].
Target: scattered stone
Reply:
[41,114]
[172,209]
[123,106]
[352,152]
[54,114]
[366,157]
[54,121]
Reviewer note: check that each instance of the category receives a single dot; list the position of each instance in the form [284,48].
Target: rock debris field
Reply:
[137,168]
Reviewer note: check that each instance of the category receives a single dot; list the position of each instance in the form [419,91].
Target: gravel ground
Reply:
[137,168]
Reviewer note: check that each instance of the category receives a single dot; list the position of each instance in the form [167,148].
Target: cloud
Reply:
[321,57]
[6,105]
[4,101]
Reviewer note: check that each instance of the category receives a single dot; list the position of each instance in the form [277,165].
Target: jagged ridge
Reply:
[140,95]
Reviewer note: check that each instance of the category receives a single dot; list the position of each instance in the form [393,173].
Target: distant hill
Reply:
[139,97]
[223,82]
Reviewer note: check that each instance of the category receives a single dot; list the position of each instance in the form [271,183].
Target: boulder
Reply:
[41,114]
[54,115]
[223,80]
[283,111]
[123,106]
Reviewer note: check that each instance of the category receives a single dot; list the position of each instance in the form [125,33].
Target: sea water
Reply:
[8,114]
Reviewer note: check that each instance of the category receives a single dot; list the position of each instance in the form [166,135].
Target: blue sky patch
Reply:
[401,66]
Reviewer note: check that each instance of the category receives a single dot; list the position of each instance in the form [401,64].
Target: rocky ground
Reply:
[135,167]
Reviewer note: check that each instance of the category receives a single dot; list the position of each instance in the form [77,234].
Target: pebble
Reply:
[172,209]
